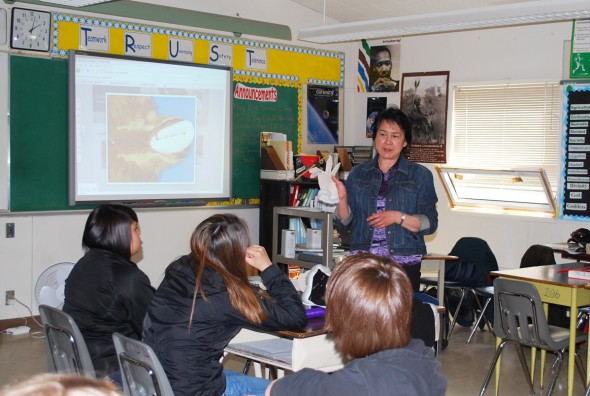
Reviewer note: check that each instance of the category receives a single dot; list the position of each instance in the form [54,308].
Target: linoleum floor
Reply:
[464,364]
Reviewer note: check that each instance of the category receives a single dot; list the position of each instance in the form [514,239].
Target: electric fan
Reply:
[50,285]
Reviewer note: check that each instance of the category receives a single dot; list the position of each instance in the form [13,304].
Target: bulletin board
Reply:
[39,106]
[575,167]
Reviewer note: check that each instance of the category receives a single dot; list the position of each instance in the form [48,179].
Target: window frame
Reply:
[485,195]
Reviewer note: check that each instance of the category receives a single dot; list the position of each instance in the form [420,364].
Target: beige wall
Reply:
[507,54]
[531,53]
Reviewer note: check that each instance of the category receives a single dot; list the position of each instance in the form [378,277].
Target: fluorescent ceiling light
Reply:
[75,3]
[531,12]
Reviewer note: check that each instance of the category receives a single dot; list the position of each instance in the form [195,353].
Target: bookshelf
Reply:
[275,193]
[280,217]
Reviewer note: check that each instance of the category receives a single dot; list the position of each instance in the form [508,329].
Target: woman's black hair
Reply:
[109,227]
[394,114]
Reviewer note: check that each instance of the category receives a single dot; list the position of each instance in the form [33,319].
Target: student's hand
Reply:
[257,257]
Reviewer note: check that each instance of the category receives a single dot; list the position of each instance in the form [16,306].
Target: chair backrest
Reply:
[141,369]
[537,255]
[424,326]
[66,349]
[519,314]
[475,251]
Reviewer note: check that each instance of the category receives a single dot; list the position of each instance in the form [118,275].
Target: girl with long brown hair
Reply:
[204,301]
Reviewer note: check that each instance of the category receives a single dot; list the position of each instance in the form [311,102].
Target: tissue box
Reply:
[314,238]
[288,243]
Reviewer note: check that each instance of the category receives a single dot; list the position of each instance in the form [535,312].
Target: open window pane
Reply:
[517,191]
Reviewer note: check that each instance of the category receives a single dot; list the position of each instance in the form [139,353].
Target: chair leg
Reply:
[456,313]
[246,366]
[580,366]
[492,366]
[525,367]
[480,317]
[557,365]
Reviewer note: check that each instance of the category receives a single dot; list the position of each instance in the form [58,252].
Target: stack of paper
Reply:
[580,273]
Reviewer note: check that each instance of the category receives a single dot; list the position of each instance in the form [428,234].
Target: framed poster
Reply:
[375,104]
[424,99]
[322,117]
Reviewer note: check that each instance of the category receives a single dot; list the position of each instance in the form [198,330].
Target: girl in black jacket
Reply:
[106,292]
[204,301]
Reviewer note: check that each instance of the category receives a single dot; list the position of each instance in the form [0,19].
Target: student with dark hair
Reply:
[368,311]
[389,203]
[204,301]
[106,292]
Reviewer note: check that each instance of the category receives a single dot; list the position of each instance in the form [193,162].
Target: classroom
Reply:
[515,54]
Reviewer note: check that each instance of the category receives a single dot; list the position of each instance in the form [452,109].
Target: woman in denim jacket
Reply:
[389,203]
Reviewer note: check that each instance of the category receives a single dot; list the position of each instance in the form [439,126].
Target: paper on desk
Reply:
[279,349]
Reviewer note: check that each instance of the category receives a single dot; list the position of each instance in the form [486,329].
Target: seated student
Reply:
[204,301]
[368,311]
[106,292]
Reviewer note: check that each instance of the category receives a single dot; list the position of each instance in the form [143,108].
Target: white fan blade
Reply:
[48,296]
[62,274]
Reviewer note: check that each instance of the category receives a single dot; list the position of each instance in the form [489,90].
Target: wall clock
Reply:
[30,29]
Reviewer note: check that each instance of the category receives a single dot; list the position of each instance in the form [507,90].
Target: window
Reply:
[503,127]
[514,191]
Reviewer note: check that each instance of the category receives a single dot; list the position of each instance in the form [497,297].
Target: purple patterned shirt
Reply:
[379,244]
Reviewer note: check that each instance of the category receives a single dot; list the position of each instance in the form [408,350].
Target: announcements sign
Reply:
[575,183]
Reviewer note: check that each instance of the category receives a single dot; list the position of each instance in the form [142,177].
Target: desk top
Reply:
[550,274]
[314,327]
[566,252]
[437,256]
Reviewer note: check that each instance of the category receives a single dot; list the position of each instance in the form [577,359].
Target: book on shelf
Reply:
[294,194]
[277,174]
[579,273]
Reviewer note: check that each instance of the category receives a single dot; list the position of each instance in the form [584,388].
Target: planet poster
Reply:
[322,114]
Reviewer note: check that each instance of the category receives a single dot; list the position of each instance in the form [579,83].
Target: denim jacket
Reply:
[411,191]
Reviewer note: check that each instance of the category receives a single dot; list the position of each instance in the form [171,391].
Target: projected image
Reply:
[150,138]
[148,131]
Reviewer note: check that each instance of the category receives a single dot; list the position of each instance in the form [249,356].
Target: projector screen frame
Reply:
[210,153]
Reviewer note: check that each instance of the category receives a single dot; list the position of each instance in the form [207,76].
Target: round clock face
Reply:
[30,29]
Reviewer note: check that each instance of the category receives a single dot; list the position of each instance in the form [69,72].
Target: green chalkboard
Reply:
[39,135]
[249,119]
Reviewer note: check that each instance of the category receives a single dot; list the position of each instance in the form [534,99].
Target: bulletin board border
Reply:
[569,86]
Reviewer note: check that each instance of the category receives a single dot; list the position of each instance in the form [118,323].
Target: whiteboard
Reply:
[4,133]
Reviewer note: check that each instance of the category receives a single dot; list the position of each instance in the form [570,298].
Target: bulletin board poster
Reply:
[580,54]
[575,169]
[322,114]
